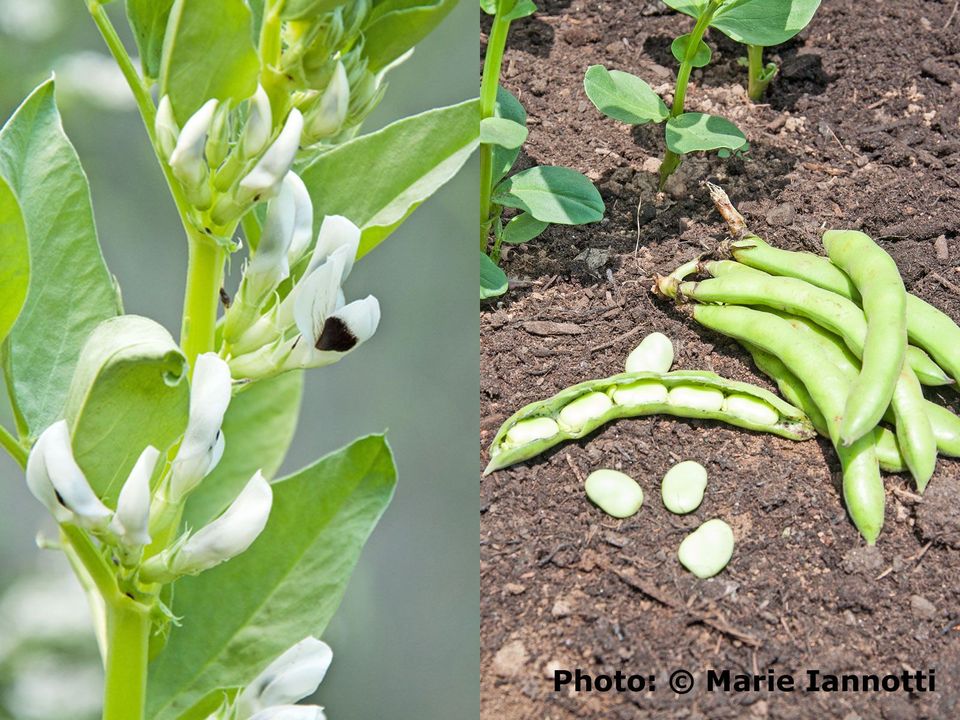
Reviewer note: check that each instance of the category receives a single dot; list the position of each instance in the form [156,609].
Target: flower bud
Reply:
[132,518]
[264,180]
[259,127]
[186,160]
[303,218]
[218,139]
[269,266]
[55,479]
[329,112]
[291,712]
[166,129]
[291,677]
[202,443]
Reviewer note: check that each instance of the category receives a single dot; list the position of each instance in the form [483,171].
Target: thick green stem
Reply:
[672,160]
[757,77]
[12,446]
[204,278]
[128,640]
[496,44]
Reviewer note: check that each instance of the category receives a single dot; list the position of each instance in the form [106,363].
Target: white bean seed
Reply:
[592,406]
[642,392]
[653,354]
[751,409]
[683,486]
[706,399]
[527,431]
[613,492]
[707,550]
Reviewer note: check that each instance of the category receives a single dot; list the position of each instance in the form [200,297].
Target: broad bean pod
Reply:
[863,489]
[667,398]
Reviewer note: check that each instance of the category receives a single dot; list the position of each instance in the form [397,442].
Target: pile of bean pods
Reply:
[844,341]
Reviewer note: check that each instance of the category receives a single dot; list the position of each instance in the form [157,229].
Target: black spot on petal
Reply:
[336,336]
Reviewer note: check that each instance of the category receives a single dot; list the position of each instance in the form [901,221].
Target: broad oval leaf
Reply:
[523,228]
[493,281]
[14,260]
[691,132]
[552,194]
[509,108]
[764,22]
[257,429]
[130,390]
[522,9]
[701,57]
[410,160]
[395,26]
[286,586]
[208,52]
[70,291]
[148,21]
[623,96]
[502,132]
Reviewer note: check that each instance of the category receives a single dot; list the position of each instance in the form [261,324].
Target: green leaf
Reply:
[693,8]
[691,132]
[502,132]
[208,52]
[522,9]
[407,162]
[257,430]
[299,9]
[701,57]
[493,281]
[552,194]
[489,6]
[130,390]
[623,96]
[523,228]
[148,21]
[395,26]
[764,22]
[508,108]
[70,290]
[14,259]
[240,615]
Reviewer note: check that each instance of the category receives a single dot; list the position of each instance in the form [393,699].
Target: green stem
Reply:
[96,567]
[204,278]
[13,446]
[128,640]
[672,160]
[496,45]
[756,82]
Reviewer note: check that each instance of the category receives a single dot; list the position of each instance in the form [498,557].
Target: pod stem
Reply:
[736,223]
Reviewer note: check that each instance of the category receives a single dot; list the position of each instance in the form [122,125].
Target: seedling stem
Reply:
[496,44]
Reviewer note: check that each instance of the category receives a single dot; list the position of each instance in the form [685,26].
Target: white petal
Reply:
[361,316]
[291,677]
[291,712]
[165,127]
[327,116]
[259,127]
[265,178]
[336,231]
[230,534]
[216,455]
[133,506]
[342,332]
[187,160]
[69,480]
[303,218]
[316,295]
[268,266]
[39,483]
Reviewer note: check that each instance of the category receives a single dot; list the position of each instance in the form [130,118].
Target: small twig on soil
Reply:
[952,287]
[574,468]
[952,13]
[886,572]
[906,495]
[611,343]
[629,578]
[548,558]
[736,224]
[919,555]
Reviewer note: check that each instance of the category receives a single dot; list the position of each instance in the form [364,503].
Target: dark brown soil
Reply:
[860,130]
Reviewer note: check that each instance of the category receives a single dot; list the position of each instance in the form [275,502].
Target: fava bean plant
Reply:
[542,194]
[208,579]
[755,23]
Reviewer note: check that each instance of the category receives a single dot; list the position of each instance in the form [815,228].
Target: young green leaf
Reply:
[303,9]
[764,22]
[552,194]
[502,132]
[522,9]
[509,108]
[70,290]
[411,158]
[493,281]
[129,391]
[287,585]
[523,228]
[691,132]
[395,26]
[623,96]
[148,21]
[258,429]
[489,6]
[208,52]
[15,251]
[701,57]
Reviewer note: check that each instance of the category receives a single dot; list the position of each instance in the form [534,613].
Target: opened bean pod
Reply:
[581,409]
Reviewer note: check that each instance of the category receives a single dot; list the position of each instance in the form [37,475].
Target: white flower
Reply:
[267,175]
[291,712]
[166,128]
[187,160]
[329,113]
[269,265]
[131,521]
[290,678]
[326,336]
[256,133]
[202,444]
[56,480]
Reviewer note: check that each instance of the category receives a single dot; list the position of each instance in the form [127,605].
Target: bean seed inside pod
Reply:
[527,431]
[653,354]
[581,411]
[705,399]
[751,409]
[614,492]
[642,392]
[683,486]
[707,550]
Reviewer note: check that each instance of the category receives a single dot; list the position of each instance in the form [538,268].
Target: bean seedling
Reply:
[119,428]
[755,23]
[543,195]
